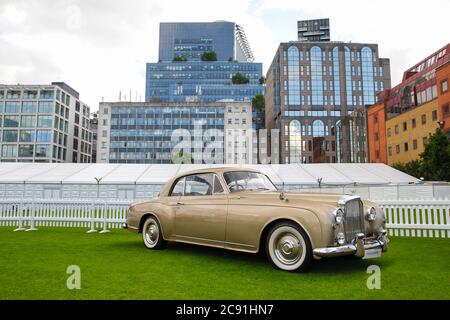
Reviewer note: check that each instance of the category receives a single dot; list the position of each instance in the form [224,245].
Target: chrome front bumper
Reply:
[358,248]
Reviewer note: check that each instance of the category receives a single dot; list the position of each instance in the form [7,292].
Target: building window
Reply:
[413,123]
[390,151]
[318,129]
[434,115]
[293,76]
[9,151]
[396,129]
[425,141]
[405,126]
[316,76]
[104,133]
[424,119]
[389,132]
[377,154]
[368,75]
[376,136]
[295,142]
[446,110]
[397,149]
[415,144]
[375,119]
[406,147]
[444,86]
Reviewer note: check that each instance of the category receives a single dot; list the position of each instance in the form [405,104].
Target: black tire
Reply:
[152,234]
[288,247]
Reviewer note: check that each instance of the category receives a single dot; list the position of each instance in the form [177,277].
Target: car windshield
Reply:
[248,181]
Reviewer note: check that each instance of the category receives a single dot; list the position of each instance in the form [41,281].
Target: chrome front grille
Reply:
[354,218]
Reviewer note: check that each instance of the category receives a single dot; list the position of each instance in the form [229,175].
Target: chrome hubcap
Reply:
[287,248]
[152,233]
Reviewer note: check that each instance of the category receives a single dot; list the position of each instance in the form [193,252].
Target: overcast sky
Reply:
[100,47]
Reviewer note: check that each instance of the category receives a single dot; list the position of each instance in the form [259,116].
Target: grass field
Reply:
[117,266]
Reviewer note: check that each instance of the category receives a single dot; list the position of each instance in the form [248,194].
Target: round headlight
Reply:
[371,214]
[339,216]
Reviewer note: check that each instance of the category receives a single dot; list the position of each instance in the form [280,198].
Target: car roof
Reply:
[215,170]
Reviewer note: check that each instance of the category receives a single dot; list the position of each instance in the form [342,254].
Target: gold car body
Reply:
[240,220]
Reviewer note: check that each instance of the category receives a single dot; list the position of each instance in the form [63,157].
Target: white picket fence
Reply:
[93,214]
[418,218]
[405,218]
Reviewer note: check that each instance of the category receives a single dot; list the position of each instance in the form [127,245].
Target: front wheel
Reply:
[288,247]
[152,235]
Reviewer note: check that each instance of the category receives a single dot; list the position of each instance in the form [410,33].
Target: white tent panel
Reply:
[59,173]
[293,174]
[24,172]
[126,173]
[9,168]
[387,173]
[91,172]
[358,174]
[328,174]
[158,173]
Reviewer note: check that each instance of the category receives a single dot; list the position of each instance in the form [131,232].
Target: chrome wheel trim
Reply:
[287,248]
[151,233]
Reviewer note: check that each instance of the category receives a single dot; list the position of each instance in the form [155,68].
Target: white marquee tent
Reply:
[137,181]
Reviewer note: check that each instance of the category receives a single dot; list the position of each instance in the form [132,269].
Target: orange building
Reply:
[443,82]
[399,124]
[376,131]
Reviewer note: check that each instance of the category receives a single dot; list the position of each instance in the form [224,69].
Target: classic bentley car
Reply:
[240,209]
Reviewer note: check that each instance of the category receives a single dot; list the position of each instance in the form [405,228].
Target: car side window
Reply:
[178,189]
[199,185]
[218,189]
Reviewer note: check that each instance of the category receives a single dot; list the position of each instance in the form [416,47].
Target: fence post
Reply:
[105,230]
[33,211]
[91,213]
[20,217]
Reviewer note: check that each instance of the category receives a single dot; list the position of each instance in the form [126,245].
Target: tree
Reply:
[413,168]
[209,56]
[435,160]
[259,102]
[262,80]
[179,59]
[181,158]
[238,78]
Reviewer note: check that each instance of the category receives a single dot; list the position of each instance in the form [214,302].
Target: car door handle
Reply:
[180,203]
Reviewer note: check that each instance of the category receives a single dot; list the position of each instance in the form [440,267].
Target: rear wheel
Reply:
[152,235]
[288,247]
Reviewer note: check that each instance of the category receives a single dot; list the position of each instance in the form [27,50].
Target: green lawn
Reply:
[117,266]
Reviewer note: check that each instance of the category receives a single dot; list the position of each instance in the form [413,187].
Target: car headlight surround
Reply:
[339,216]
[340,238]
[371,214]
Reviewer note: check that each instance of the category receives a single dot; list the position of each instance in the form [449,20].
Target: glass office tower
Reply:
[195,80]
[204,81]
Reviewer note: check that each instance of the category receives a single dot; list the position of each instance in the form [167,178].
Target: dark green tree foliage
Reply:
[436,158]
[262,80]
[434,162]
[258,102]
[238,78]
[179,59]
[209,56]
[412,168]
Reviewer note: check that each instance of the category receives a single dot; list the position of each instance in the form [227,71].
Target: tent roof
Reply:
[299,174]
